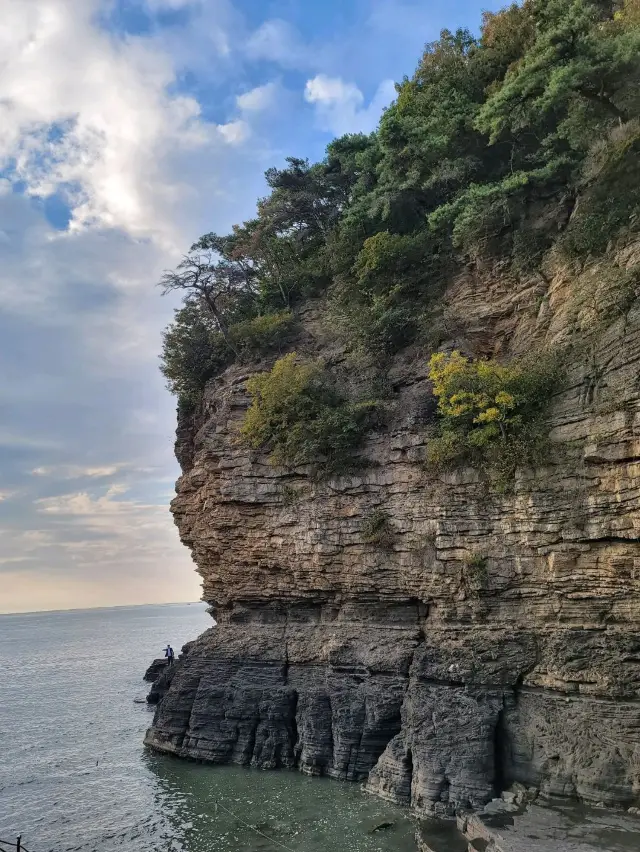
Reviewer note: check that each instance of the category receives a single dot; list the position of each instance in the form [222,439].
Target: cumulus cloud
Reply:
[258,99]
[95,116]
[112,528]
[235,132]
[97,510]
[341,106]
[142,140]
[278,41]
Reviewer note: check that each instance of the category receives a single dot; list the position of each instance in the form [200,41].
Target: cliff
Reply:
[488,638]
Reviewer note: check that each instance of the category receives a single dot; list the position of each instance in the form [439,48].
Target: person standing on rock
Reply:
[168,652]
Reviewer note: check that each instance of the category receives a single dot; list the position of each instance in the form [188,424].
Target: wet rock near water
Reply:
[558,826]
[440,836]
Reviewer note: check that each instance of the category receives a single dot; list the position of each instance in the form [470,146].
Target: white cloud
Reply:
[235,132]
[98,509]
[92,115]
[125,537]
[278,41]
[258,99]
[73,471]
[341,106]
[161,5]
[332,92]
[111,523]
[103,117]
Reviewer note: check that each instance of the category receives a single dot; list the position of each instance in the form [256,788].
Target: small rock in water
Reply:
[380,826]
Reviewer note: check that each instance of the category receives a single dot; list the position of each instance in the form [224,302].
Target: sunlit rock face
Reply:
[491,638]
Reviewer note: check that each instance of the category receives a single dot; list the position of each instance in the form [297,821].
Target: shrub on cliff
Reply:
[489,414]
[263,334]
[298,414]
[376,529]
[194,349]
[376,304]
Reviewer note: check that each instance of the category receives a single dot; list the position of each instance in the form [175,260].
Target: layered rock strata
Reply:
[490,639]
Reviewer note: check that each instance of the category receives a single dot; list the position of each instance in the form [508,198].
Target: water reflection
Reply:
[228,809]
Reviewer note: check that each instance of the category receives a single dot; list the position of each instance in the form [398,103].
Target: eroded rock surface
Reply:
[557,826]
[494,638]
[155,669]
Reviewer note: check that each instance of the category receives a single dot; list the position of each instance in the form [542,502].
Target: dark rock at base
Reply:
[161,674]
[436,835]
[161,684]
[250,696]
[155,669]
[380,826]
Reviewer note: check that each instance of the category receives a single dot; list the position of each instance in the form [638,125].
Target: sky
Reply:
[128,128]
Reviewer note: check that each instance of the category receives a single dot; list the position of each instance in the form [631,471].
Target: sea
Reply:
[74,774]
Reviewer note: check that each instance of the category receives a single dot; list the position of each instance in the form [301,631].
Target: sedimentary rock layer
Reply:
[491,638]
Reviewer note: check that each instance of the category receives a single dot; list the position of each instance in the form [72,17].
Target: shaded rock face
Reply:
[155,669]
[404,664]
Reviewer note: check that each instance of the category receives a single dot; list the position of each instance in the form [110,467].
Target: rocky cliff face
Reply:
[487,639]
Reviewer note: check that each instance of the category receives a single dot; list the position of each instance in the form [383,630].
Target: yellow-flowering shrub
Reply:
[489,412]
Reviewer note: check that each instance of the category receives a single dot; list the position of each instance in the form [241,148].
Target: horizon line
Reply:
[91,608]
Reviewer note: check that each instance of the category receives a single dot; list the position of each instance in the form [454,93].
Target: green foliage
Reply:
[490,414]
[378,303]
[489,151]
[299,415]
[194,350]
[475,573]
[291,495]
[384,327]
[610,203]
[262,335]
[580,55]
[376,528]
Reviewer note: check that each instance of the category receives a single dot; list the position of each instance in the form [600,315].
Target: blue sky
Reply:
[127,129]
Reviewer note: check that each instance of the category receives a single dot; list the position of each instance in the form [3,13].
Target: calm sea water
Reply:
[75,776]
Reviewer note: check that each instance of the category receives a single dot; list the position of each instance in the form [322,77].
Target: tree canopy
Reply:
[499,145]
